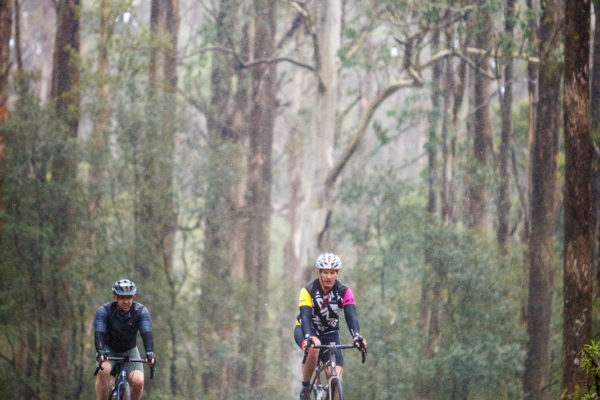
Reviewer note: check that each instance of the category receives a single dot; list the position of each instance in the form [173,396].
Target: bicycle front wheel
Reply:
[125,392]
[335,389]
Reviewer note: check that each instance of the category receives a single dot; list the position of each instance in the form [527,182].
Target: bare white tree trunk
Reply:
[319,158]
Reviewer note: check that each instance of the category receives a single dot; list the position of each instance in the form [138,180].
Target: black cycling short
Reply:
[328,338]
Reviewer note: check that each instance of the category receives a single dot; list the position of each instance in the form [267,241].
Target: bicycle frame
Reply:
[331,364]
[322,368]
[121,379]
[121,382]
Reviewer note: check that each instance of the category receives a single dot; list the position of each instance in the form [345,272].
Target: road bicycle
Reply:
[121,389]
[333,389]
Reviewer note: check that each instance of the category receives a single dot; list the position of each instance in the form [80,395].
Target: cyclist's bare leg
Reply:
[311,361]
[103,380]
[136,380]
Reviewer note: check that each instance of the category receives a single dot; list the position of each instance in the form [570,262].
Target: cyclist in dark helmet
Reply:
[318,321]
[115,333]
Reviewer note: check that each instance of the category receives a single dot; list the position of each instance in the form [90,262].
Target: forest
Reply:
[210,150]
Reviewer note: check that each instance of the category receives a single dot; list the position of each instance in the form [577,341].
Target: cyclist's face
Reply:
[124,302]
[328,277]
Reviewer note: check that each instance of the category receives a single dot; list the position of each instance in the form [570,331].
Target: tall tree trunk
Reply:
[457,91]
[328,33]
[429,316]
[434,119]
[159,218]
[578,234]
[295,150]
[222,244]
[65,79]
[482,128]
[595,115]
[532,89]
[101,121]
[6,9]
[504,155]
[65,94]
[595,78]
[148,207]
[169,218]
[536,377]
[263,110]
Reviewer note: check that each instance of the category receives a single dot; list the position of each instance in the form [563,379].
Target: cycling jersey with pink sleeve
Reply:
[319,311]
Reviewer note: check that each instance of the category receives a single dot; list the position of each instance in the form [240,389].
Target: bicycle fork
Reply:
[119,383]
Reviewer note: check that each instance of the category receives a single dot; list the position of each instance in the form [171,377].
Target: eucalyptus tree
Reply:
[98,143]
[6,11]
[542,204]
[578,230]
[481,129]
[241,51]
[262,112]
[222,225]
[65,94]
[410,26]
[503,198]
[327,33]
[595,116]
[155,216]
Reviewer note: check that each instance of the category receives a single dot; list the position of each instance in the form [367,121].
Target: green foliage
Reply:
[41,275]
[480,349]
[591,364]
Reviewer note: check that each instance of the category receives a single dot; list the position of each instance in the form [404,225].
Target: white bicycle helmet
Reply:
[328,261]
[124,287]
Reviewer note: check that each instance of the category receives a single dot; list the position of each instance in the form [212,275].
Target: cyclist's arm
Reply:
[352,319]
[350,313]
[305,304]
[146,334]
[100,328]
[146,330]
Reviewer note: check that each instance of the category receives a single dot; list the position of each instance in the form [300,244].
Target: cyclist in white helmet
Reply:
[115,334]
[318,321]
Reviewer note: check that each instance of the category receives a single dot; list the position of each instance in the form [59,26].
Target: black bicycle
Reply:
[121,389]
[333,389]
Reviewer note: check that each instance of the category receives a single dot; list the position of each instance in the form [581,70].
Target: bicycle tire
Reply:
[336,385]
[127,392]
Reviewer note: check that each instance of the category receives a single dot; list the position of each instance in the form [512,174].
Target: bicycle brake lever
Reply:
[151,372]
[305,355]
[98,369]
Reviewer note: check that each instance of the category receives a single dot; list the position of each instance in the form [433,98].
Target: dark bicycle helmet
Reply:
[124,287]
[328,261]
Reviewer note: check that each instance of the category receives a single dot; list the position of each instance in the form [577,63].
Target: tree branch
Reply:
[276,60]
[499,54]
[360,131]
